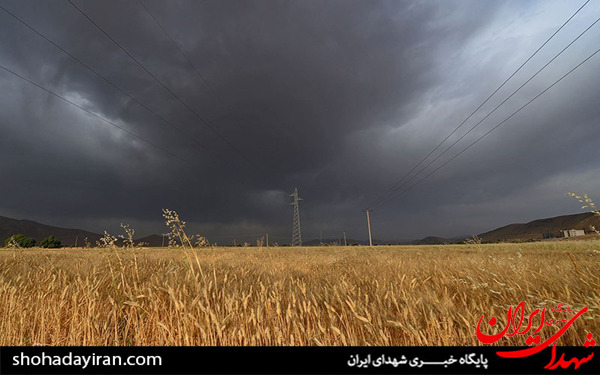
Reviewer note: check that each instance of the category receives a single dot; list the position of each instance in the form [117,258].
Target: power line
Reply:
[390,190]
[488,115]
[93,114]
[187,59]
[502,122]
[105,79]
[185,56]
[204,122]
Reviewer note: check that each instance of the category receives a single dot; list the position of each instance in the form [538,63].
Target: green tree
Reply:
[19,240]
[50,243]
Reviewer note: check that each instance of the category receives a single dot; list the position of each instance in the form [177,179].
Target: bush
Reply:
[50,243]
[19,240]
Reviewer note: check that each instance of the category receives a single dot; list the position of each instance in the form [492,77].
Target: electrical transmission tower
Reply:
[296,234]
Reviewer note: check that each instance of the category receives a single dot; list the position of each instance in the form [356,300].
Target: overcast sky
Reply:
[337,98]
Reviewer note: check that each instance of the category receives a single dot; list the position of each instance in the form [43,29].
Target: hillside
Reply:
[153,240]
[38,231]
[535,230]
[431,240]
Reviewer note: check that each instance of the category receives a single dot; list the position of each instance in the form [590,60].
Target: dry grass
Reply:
[401,295]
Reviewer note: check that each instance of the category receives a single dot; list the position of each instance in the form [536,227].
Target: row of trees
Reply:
[20,240]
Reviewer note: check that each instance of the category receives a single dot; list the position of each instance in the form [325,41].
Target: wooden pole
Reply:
[369,226]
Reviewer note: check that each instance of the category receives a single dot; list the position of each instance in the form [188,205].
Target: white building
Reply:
[573,233]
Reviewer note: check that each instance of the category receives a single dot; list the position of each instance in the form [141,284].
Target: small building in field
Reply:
[573,233]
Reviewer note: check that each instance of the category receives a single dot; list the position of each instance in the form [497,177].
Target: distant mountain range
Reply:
[437,241]
[521,232]
[532,231]
[38,232]
[541,228]
[349,242]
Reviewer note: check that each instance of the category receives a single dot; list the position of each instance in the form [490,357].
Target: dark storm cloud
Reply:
[337,98]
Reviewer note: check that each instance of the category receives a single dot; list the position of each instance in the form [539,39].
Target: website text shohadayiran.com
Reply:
[84,361]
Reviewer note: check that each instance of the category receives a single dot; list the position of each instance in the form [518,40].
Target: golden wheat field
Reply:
[396,295]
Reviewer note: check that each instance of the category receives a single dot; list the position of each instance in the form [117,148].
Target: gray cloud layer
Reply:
[337,98]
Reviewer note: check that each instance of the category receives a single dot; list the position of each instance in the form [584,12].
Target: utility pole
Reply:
[369,226]
[267,239]
[76,238]
[345,243]
[296,234]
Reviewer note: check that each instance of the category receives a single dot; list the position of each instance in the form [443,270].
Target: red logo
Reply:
[515,326]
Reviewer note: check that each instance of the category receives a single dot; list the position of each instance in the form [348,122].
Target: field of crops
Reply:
[396,295]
